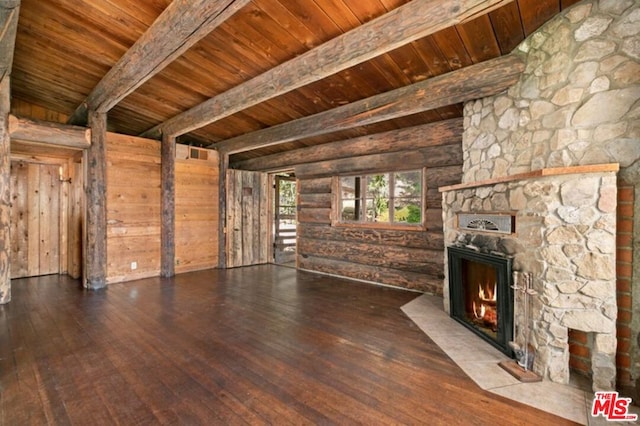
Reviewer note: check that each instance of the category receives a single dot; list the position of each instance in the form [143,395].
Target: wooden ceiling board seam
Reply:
[411,64]
[38,52]
[365,10]
[32,85]
[479,39]
[341,15]
[57,32]
[536,12]
[393,4]
[449,43]
[507,27]
[142,11]
[263,42]
[236,66]
[288,21]
[432,55]
[201,81]
[318,23]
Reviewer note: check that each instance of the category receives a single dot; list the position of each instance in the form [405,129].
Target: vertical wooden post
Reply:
[5,192]
[222,210]
[96,199]
[168,226]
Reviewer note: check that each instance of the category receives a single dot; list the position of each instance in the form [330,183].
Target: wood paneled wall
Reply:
[133,209]
[197,204]
[409,259]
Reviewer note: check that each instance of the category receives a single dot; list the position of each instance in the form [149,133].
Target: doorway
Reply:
[35,219]
[284,219]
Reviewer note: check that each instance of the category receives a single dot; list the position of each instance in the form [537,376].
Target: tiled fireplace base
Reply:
[479,361]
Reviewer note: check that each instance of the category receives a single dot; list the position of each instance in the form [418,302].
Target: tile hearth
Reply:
[479,361]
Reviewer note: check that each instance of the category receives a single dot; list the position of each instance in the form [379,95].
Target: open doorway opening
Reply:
[284,219]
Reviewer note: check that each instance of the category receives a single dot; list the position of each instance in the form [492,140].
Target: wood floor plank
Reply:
[258,345]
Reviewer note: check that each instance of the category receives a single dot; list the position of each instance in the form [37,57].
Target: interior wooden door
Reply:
[247,218]
[35,219]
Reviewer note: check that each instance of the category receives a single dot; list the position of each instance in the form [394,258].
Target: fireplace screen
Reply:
[481,294]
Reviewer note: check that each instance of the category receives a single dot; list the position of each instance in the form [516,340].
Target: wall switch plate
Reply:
[134,266]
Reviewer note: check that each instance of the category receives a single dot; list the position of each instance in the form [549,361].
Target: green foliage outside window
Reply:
[372,198]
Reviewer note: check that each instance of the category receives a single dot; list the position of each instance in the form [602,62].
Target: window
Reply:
[394,198]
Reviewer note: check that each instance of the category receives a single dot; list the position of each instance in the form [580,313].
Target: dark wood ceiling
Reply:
[65,47]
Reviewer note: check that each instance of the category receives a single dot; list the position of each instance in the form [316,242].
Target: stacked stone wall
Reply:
[577,103]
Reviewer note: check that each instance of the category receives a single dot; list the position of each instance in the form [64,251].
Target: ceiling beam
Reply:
[181,25]
[407,23]
[63,135]
[9,11]
[425,135]
[472,82]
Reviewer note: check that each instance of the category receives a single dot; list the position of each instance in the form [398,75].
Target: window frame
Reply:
[336,208]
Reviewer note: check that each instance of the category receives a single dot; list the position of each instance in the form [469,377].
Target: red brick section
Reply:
[624,257]
[580,352]
[580,342]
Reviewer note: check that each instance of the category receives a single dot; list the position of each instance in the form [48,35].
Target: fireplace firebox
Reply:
[481,294]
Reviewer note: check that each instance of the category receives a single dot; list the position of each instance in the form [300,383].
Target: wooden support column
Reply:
[168,226]
[5,193]
[222,210]
[96,199]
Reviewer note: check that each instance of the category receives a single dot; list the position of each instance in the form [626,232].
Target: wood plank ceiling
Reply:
[65,47]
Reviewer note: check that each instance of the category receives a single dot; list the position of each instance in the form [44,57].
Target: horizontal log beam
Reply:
[473,82]
[314,186]
[376,274]
[440,133]
[181,25]
[63,135]
[424,261]
[412,21]
[434,156]
[9,11]
[424,240]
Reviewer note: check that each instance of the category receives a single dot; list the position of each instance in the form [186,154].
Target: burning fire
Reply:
[485,309]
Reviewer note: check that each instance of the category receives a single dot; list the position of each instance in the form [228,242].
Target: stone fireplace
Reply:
[552,151]
[564,237]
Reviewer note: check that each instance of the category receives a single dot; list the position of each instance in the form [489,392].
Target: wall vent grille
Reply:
[499,223]
[198,154]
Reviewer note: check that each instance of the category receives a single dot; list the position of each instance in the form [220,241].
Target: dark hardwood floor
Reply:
[257,345]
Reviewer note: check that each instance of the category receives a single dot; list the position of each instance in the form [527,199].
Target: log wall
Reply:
[408,259]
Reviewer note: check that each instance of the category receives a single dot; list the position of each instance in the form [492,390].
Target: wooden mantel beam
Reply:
[473,82]
[181,25]
[65,135]
[9,11]
[407,23]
